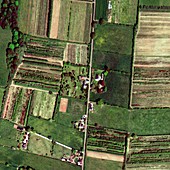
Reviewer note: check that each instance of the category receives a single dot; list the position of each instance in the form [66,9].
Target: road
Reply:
[88,95]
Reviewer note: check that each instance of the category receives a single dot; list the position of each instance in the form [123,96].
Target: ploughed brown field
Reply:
[151,77]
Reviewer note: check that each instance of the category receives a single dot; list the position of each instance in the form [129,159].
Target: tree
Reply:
[101,21]
[92,35]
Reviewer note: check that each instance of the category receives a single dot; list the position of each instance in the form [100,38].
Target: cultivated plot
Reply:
[41,65]
[151,82]
[71,21]
[33,17]
[43,104]
[17,104]
[76,54]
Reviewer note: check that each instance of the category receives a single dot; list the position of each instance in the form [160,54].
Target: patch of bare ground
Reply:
[106,156]
[55,19]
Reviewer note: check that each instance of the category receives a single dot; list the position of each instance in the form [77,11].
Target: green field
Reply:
[43,104]
[57,131]
[8,135]
[5,38]
[59,151]
[16,157]
[113,61]
[76,108]
[10,167]
[101,8]
[114,38]
[101,164]
[39,145]
[155,2]
[124,11]
[80,20]
[139,121]
[117,90]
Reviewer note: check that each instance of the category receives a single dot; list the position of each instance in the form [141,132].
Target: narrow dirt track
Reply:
[55,19]
[106,156]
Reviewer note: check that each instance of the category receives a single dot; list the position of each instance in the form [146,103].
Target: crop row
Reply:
[45,42]
[37,76]
[41,51]
[38,85]
[108,150]
[42,64]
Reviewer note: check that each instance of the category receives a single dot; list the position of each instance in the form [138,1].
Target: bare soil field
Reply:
[151,82]
[63,105]
[106,156]
[55,19]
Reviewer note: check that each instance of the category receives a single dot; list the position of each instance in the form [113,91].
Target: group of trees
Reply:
[8,14]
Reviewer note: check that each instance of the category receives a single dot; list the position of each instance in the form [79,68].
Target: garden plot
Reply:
[76,54]
[43,104]
[33,17]
[71,21]
[17,104]
[106,140]
[149,149]
[42,64]
[152,61]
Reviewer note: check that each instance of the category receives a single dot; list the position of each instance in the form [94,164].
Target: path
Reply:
[106,156]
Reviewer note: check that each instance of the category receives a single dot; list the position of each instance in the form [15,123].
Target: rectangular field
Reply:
[106,140]
[43,104]
[154,3]
[17,104]
[114,38]
[17,157]
[39,145]
[33,17]
[71,21]
[58,131]
[76,54]
[42,64]
[80,20]
[5,38]
[101,9]
[151,82]
[124,11]
[113,61]
[149,149]
[139,121]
